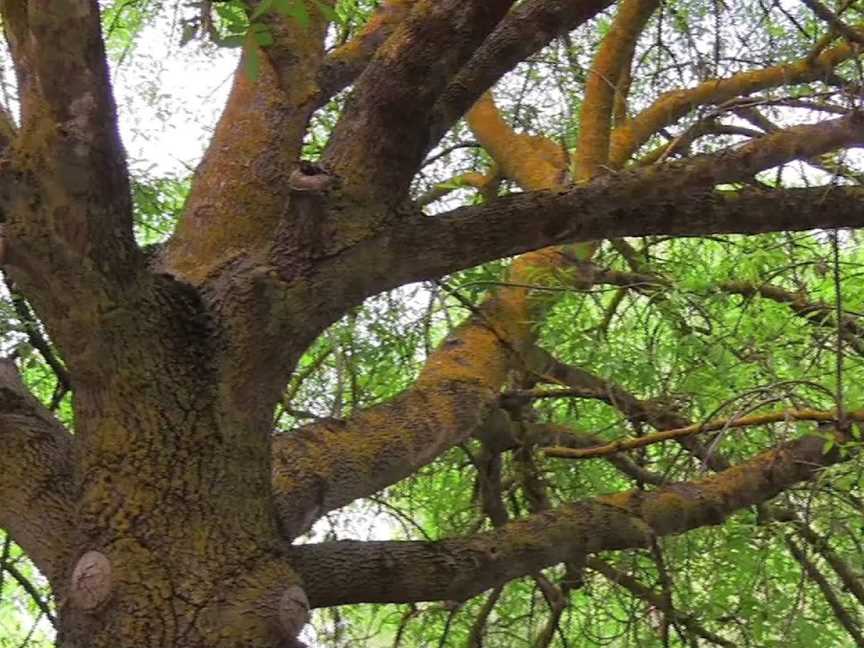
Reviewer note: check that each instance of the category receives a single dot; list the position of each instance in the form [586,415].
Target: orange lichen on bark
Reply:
[711,426]
[674,104]
[603,87]
[372,34]
[679,507]
[532,162]
[240,190]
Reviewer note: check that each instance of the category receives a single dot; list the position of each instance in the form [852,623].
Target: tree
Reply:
[167,517]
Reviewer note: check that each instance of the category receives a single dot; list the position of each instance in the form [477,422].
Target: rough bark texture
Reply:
[165,520]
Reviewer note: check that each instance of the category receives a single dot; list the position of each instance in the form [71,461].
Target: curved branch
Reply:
[36,485]
[248,163]
[672,105]
[611,64]
[337,573]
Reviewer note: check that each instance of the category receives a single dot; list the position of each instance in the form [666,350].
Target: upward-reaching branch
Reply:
[611,65]
[525,31]
[384,132]
[240,191]
[67,197]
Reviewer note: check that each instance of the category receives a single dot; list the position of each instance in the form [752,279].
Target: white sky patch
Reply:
[170,97]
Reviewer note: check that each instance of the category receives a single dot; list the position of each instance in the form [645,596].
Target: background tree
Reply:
[529,349]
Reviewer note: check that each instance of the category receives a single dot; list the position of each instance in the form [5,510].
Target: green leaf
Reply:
[261,9]
[297,9]
[263,37]
[328,12]
[251,61]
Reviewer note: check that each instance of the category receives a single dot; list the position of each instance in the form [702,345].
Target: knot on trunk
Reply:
[293,610]
[91,581]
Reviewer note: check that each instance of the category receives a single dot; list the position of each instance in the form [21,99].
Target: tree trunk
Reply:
[174,495]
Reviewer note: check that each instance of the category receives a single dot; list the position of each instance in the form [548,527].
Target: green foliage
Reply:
[688,345]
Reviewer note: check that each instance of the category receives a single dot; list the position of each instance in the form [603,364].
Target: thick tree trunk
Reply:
[174,496]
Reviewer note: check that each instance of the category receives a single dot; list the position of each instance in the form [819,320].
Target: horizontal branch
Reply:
[337,573]
[622,445]
[669,199]
[36,502]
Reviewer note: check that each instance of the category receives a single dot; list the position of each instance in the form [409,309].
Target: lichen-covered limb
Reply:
[240,191]
[383,134]
[329,464]
[338,573]
[672,105]
[346,62]
[36,487]
[533,162]
[621,445]
[526,30]
[67,205]
[645,593]
[610,66]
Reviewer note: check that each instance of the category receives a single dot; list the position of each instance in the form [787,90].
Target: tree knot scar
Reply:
[293,610]
[91,581]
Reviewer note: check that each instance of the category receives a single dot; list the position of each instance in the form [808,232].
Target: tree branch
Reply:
[526,30]
[347,62]
[666,199]
[672,105]
[337,573]
[248,164]
[36,486]
[622,445]
[613,56]
[327,465]
[381,139]
[68,204]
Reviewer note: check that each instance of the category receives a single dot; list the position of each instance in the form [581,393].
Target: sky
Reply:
[169,97]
